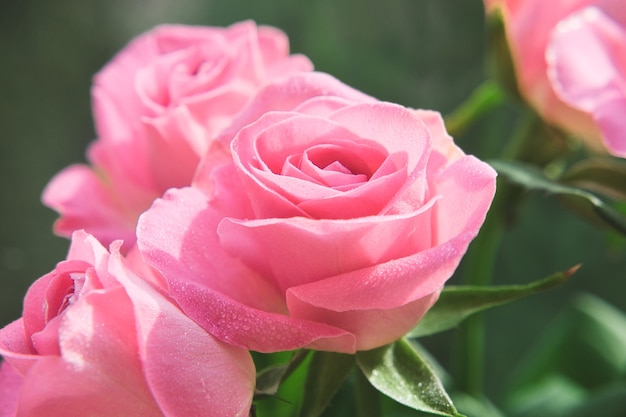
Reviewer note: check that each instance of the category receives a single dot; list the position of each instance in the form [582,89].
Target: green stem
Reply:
[367,397]
[486,97]
[469,357]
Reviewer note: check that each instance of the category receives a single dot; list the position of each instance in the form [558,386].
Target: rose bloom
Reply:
[332,223]
[570,62]
[157,106]
[96,340]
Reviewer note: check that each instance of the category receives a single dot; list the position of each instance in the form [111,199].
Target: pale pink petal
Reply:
[398,130]
[372,327]
[610,118]
[178,237]
[253,329]
[395,128]
[325,248]
[385,285]
[84,202]
[466,188]
[112,100]
[289,93]
[445,150]
[266,201]
[588,68]
[99,353]
[188,371]
[529,25]
[54,387]
[10,385]
[15,347]
[98,372]
[85,248]
[297,138]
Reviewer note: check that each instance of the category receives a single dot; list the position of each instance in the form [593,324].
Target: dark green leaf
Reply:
[327,371]
[582,201]
[268,380]
[455,304]
[398,371]
[603,175]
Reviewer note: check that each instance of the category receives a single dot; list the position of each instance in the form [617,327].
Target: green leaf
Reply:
[268,380]
[398,371]
[552,396]
[602,175]
[473,406]
[586,343]
[604,330]
[582,201]
[456,303]
[327,371]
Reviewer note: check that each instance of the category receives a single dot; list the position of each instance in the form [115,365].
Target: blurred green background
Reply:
[419,53]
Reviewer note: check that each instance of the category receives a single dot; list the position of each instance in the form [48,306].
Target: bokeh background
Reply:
[419,53]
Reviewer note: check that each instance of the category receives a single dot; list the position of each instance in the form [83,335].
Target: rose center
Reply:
[69,287]
[329,165]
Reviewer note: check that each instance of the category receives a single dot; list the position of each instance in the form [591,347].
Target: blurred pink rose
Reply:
[95,340]
[569,59]
[157,106]
[333,225]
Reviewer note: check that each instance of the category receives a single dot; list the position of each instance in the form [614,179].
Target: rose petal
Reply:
[325,248]
[15,347]
[395,128]
[293,93]
[466,190]
[253,329]
[587,63]
[372,327]
[182,362]
[95,211]
[10,385]
[93,391]
[99,364]
[177,236]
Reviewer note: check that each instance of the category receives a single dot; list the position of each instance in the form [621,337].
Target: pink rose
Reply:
[157,106]
[569,59]
[10,385]
[95,340]
[333,224]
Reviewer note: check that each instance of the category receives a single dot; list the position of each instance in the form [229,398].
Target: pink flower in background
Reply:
[96,340]
[587,57]
[333,225]
[157,106]
[570,59]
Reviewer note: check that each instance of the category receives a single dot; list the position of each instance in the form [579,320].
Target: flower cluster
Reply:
[248,203]
[236,200]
